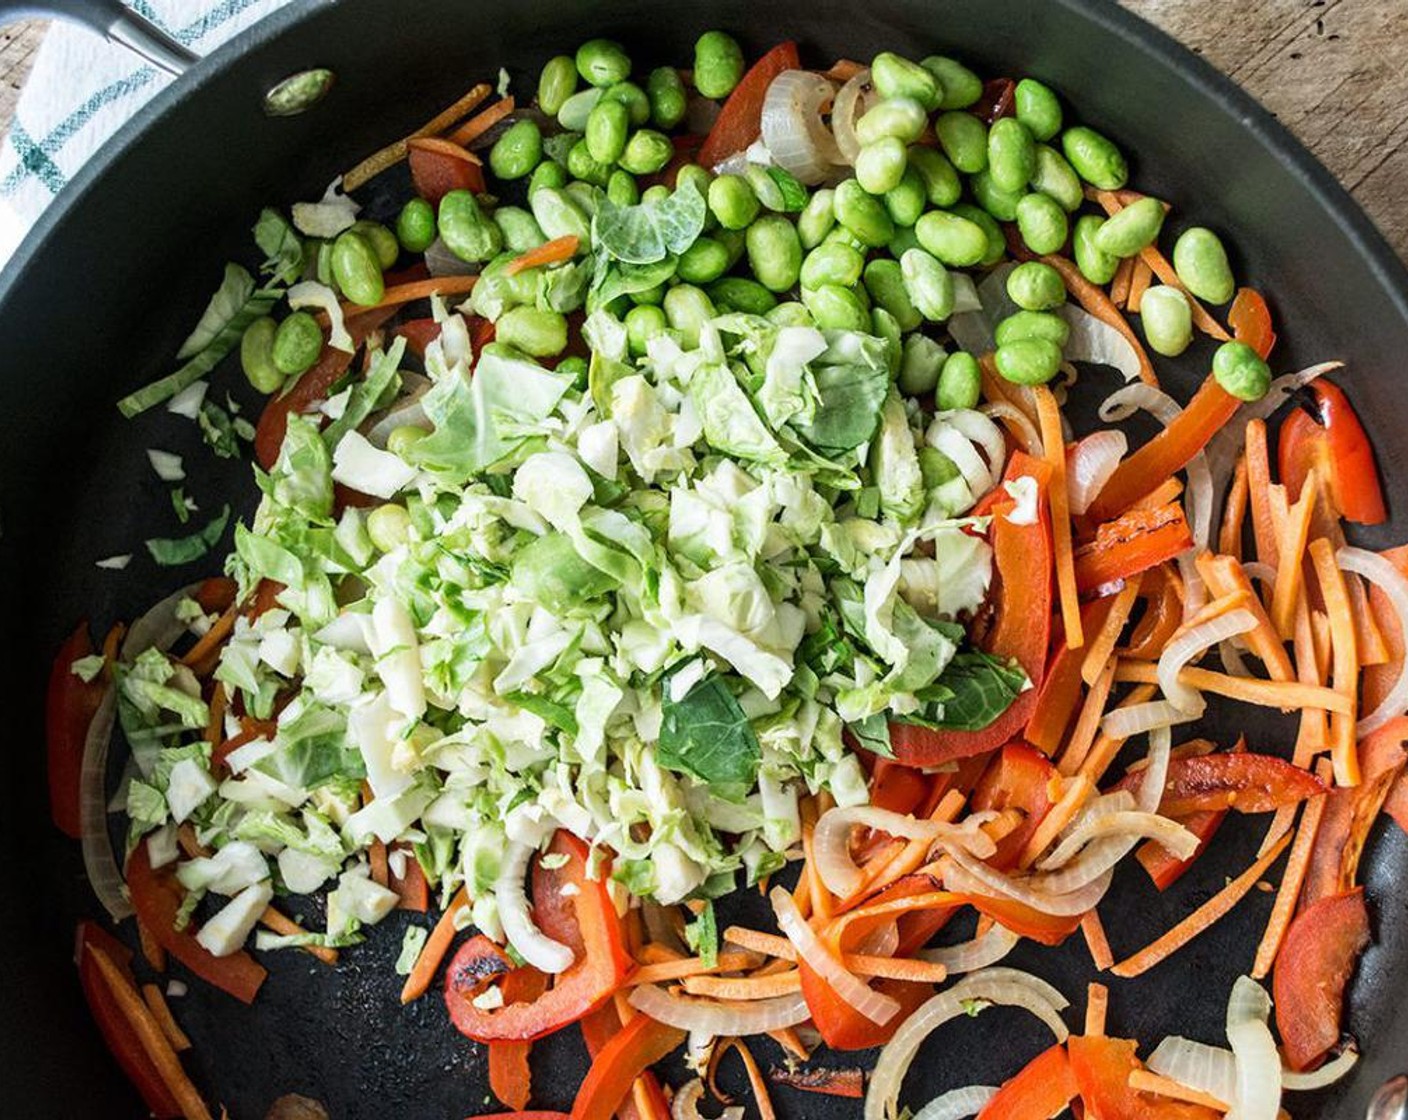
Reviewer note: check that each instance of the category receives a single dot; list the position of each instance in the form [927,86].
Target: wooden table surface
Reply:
[1334,71]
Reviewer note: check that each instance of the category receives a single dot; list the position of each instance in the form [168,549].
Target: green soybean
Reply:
[556,83]
[1011,154]
[547,174]
[817,218]
[862,214]
[1001,204]
[520,229]
[942,186]
[921,359]
[654,194]
[903,118]
[575,367]
[737,293]
[688,308]
[517,151]
[905,238]
[884,280]
[539,333]
[960,382]
[415,227]
[928,283]
[1036,286]
[905,200]
[1241,371]
[881,165]
[635,99]
[1055,176]
[1033,324]
[733,240]
[654,296]
[1042,223]
[467,231]
[964,139]
[582,165]
[703,262]
[389,526]
[718,64]
[1028,361]
[399,441]
[297,344]
[956,241]
[774,252]
[732,201]
[603,63]
[558,215]
[894,76]
[1201,262]
[1038,108]
[356,270]
[382,241]
[608,128]
[832,263]
[840,235]
[790,314]
[997,243]
[769,193]
[621,188]
[836,308]
[960,87]
[647,152]
[1133,229]
[577,108]
[668,100]
[1167,318]
[642,324]
[1096,265]
[257,355]
[697,176]
[1095,158]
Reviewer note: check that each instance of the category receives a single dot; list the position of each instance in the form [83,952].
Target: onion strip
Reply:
[720,1018]
[876,1006]
[1383,574]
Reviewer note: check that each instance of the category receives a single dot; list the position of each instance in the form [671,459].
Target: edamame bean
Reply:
[400,440]
[698,176]
[960,86]
[936,468]
[1096,265]
[586,195]
[941,183]
[964,139]
[577,108]
[905,200]
[608,128]
[1095,158]
[517,151]
[737,293]
[389,527]
[956,241]
[1001,204]
[1133,229]
[769,193]
[547,174]
[581,164]
[556,84]
[520,229]
[894,76]
[1167,318]
[257,355]
[668,99]
[997,242]
[718,64]
[647,152]
[1241,371]
[653,194]
[774,252]
[732,201]
[928,283]
[905,238]
[832,263]
[1028,361]
[382,241]
[790,314]
[842,236]
[559,216]
[1042,223]
[960,382]
[862,214]
[633,98]
[1200,260]
[621,188]
[881,165]
[902,118]
[884,327]
[575,367]
[1033,324]
[884,280]
[703,262]
[1036,286]
[1038,108]
[415,228]
[688,309]
[734,240]
[499,289]
[921,358]
[297,344]
[1055,177]
[323,268]
[642,324]
[836,308]
[539,333]
[817,218]
[602,63]
[467,232]
[1011,155]
[654,296]
[356,270]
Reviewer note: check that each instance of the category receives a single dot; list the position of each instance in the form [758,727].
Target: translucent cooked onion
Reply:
[1257,1090]
[852,102]
[1125,723]
[1198,501]
[1191,645]
[965,295]
[310,293]
[983,433]
[875,1006]
[1026,430]
[1389,579]
[1326,1075]
[969,956]
[1124,403]
[1151,786]
[1091,464]
[1137,825]
[793,129]
[685,1106]
[718,1018]
[1093,340]
[539,950]
[881,942]
[441,262]
[99,860]
[159,627]
[968,875]
[1209,1069]
[958,1103]
[831,842]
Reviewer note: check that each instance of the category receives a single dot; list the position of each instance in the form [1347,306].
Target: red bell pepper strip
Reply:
[1019,777]
[533,1115]
[69,707]
[1166,869]
[1312,968]
[599,1028]
[848,1083]
[1241,780]
[1211,408]
[1046,929]
[1102,1067]
[215,594]
[640,1044]
[899,789]
[1334,444]
[477,964]
[510,1078]
[1022,558]
[156,896]
[1132,543]
[1250,320]
[740,121]
[1042,1089]
[113,1024]
[602,961]
[437,168]
[1060,693]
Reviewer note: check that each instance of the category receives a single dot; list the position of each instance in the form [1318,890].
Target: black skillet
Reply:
[101,293]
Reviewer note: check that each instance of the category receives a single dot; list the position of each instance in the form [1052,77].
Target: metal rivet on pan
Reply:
[1390,1102]
[298,92]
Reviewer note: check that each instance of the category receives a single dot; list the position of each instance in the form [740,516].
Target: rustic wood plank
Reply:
[18,44]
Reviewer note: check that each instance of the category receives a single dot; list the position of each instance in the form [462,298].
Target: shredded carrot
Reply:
[281,923]
[789,1040]
[1203,918]
[1138,284]
[1224,576]
[550,252]
[1098,656]
[1320,637]
[481,122]
[152,952]
[744,987]
[655,953]
[864,964]
[1095,301]
[215,726]
[1286,695]
[376,855]
[822,905]
[1290,574]
[756,1080]
[1344,748]
[161,1012]
[1161,495]
[1120,285]
[393,154]
[1234,514]
[1105,747]
[665,971]
[211,640]
[1049,414]
[443,147]
[896,968]
[844,69]
[1235,600]
[912,904]
[436,946]
[1098,944]
[1259,489]
[1146,1081]
[1313,735]
[398,294]
[1075,793]
[755,941]
[1097,1000]
[1291,882]
[912,858]
[112,643]
[149,1033]
[1087,723]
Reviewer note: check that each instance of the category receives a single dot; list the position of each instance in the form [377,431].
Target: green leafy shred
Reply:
[707,735]
[281,245]
[702,935]
[171,552]
[651,231]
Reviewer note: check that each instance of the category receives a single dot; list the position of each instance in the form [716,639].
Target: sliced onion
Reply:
[1198,501]
[882,942]
[964,871]
[1209,1069]
[1195,592]
[965,295]
[958,1103]
[99,861]
[1188,647]
[1326,1075]
[718,1018]
[1093,340]
[1257,1094]
[793,129]
[1389,579]
[1125,723]
[983,433]
[1124,403]
[1092,462]
[685,1106]
[159,627]
[875,1006]
[1026,430]
[852,101]
[831,841]
[539,950]
[441,262]
[1142,825]
[969,956]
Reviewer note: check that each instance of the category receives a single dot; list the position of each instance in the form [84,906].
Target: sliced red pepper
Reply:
[510,1077]
[1333,443]
[998,100]
[476,964]
[112,1022]
[536,1114]
[848,1083]
[1378,680]
[1042,1089]
[1241,780]
[1312,969]
[1022,579]
[640,1044]
[1018,778]
[740,121]
[1162,617]
[599,1028]
[1060,693]
[1132,543]
[1250,320]
[1168,452]
[436,171]
[1102,1067]
[69,707]
[418,333]
[896,788]
[602,960]
[1046,929]
[216,594]
[156,896]
[1164,868]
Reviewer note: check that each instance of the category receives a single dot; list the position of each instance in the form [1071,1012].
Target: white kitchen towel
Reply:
[83,89]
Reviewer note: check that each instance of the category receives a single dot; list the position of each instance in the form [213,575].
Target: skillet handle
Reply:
[115,22]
